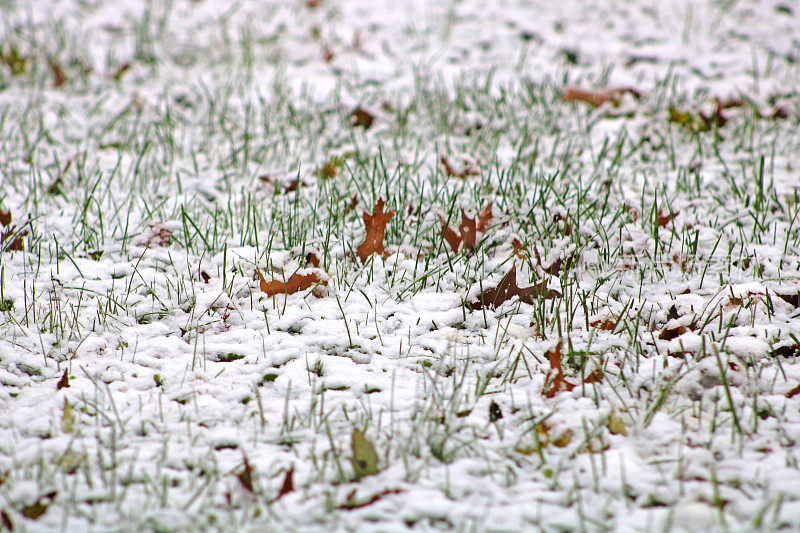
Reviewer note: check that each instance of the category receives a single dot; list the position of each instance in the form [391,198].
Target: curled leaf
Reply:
[507,289]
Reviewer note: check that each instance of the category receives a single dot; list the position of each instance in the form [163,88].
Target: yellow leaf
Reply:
[365,460]
[615,425]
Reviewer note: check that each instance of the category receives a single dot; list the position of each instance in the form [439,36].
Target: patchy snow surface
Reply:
[158,152]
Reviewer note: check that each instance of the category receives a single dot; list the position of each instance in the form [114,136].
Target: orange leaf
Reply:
[559,383]
[485,217]
[596,376]
[297,282]
[507,289]
[376,228]
[467,231]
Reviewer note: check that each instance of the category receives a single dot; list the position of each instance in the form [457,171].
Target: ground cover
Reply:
[322,265]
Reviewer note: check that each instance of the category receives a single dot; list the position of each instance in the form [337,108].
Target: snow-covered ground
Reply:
[155,156]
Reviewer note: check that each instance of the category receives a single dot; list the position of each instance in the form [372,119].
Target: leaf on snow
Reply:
[466,172]
[297,282]
[450,236]
[245,477]
[288,484]
[559,383]
[365,460]
[351,502]
[361,118]
[376,228]
[485,217]
[596,98]
[467,230]
[39,507]
[507,289]
[64,381]
[5,218]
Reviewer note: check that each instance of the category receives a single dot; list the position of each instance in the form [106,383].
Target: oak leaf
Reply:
[452,238]
[507,289]
[297,282]
[559,383]
[485,217]
[376,228]
[467,230]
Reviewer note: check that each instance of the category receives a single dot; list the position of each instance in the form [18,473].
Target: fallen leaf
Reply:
[450,236]
[245,477]
[485,217]
[352,503]
[64,381]
[6,520]
[297,282]
[288,484]
[352,205]
[596,98]
[466,172]
[312,259]
[507,289]
[559,383]
[206,277]
[615,425]
[17,244]
[608,323]
[518,247]
[365,460]
[5,218]
[495,413]
[59,78]
[38,508]
[361,118]
[376,227]
[794,392]
[595,376]
[672,333]
[663,219]
[467,230]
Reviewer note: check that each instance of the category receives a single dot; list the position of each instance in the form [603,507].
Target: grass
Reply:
[150,195]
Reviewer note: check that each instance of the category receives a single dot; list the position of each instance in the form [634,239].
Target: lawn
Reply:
[320,265]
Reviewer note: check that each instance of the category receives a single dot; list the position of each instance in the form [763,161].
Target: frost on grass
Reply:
[474,265]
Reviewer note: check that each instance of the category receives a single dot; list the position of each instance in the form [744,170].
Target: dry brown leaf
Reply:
[485,217]
[559,383]
[245,477]
[467,231]
[376,228]
[507,289]
[64,381]
[663,219]
[518,247]
[312,259]
[297,282]
[466,172]
[608,323]
[596,98]
[352,503]
[287,486]
[59,78]
[450,236]
[5,218]
[794,392]
[672,333]
[361,118]
[595,376]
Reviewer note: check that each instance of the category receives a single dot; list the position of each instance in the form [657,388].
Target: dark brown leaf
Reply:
[507,289]
[245,477]
[205,276]
[375,225]
[361,118]
[663,219]
[312,259]
[467,231]
[5,218]
[352,503]
[6,520]
[39,507]
[288,484]
[450,236]
[485,217]
[672,333]
[64,381]
[794,392]
[495,413]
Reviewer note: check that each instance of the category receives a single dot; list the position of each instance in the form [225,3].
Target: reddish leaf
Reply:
[467,231]
[672,333]
[663,219]
[5,218]
[507,289]
[288,484]
[450,236]
[596,98]
[376,228]
[205,276]
[485,217]
[352,503]
[297,282]
[596,376]
[312,259]
[794,392]
[64,381]
[245,477]
[17,243]
[59,78]
[518,247]
[608,323]
[361,118]
[559,383]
